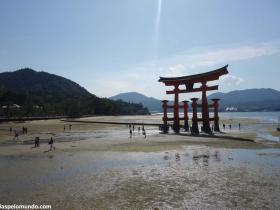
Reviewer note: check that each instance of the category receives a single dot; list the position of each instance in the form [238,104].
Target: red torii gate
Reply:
[188,82]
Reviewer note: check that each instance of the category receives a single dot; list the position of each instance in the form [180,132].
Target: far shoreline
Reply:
[15,119]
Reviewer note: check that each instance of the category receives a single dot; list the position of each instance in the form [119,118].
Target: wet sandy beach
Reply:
[99,167]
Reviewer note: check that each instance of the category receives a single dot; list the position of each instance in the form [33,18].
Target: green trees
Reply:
[37,103]
[28,93]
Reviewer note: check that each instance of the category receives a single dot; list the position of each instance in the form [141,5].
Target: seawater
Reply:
[272,117]
[262,116]
[267,120]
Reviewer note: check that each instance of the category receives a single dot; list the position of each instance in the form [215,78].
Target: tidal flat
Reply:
[99,167]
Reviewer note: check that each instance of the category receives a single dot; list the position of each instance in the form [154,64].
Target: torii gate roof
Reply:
[195,78]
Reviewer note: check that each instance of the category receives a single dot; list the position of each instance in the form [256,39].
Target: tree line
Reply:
[44,103]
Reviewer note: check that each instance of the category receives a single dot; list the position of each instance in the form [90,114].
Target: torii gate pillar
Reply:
[164,107]
[216,115]
[176,120]
[186,117]
[194,118]
[205,110]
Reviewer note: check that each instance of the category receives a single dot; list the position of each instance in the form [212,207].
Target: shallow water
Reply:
[265,120]
[192,177]
[261,130]
[262,116]
[195,177]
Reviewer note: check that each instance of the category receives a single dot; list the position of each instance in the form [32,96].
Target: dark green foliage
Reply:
[153,104]
[30,80]
[44,94]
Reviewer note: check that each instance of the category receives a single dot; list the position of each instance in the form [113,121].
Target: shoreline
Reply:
[114,123]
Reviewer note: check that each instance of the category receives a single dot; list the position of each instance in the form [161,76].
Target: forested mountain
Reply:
[30,80]
[26,92]
[153,104]
[263,99]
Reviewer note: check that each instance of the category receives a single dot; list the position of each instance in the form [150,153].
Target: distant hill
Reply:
[26,92]
[29,80]
[264,99]
[153,104]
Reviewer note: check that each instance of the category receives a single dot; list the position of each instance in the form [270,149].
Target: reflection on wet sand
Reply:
[112,180]
[107,170]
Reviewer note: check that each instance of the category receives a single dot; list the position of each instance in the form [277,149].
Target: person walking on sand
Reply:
[224,126]
[63,127]
[230,126]
[51,144]
[144,133]
[24,130]
[37,141]
[70,127]
[16,135]
[130,133]
[239,126]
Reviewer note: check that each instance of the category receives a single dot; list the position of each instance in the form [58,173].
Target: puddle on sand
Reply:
[196,177]
[261,132]
[116,134]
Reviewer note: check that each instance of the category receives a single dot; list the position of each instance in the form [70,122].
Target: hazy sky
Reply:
[113,46]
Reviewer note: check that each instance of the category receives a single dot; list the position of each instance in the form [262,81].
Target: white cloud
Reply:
[175,70]
[143,77]
[231,80]
[190,60]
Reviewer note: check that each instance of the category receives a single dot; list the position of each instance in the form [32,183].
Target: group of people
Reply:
[18,132]
[50,142]
[70,127]
[229,126]
[36,140]
[132,129]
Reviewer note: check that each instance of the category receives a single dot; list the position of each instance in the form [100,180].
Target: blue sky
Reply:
[112,46]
